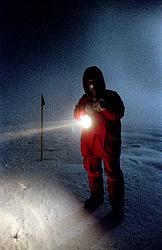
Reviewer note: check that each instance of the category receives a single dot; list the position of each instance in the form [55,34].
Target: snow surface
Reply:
[41,202]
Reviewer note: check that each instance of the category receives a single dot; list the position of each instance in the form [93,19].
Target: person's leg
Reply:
[95,178]
[115,182]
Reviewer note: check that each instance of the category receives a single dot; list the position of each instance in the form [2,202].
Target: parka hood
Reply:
[95,74]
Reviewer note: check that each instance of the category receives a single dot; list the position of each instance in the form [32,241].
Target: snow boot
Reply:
[117,212]
[93,203]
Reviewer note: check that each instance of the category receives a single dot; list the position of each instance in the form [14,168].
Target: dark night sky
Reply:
[45,48]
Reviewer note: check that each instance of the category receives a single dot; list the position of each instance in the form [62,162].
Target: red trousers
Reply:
[115,179]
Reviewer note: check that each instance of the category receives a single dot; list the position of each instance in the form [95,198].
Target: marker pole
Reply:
[42,128]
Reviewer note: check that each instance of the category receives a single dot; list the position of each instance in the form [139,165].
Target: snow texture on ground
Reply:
[41,202]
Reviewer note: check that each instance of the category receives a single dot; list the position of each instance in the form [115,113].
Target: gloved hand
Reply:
[78,111]
[89,108]
[99,105]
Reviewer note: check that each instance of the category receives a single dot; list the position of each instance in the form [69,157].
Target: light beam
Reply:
[28,132]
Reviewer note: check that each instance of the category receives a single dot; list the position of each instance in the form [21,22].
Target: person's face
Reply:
[90,84]
[94,87]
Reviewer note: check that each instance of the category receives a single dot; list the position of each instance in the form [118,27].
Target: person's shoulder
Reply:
[83,99]
[109,92]
[112,95]
[84,96]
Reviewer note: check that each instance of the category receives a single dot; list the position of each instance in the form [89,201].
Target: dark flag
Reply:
[42,104]
[42,101]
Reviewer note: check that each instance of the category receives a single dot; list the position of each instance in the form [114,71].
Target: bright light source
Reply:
[85,121]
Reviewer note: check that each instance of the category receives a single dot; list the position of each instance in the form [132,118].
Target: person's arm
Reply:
[113,109]
[79,109]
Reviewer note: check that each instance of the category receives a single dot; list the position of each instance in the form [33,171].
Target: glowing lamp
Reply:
[85,121]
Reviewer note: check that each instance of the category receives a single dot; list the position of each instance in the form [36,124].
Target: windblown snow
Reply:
[41,202]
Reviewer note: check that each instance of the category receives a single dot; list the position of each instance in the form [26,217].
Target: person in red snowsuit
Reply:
[102,141]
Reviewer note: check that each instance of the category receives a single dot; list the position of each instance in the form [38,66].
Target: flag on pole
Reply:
[42,129]
[42,101]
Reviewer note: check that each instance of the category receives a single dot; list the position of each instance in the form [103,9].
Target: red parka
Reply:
[103,138]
